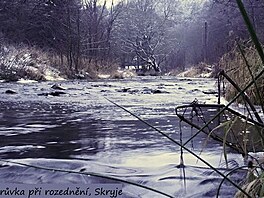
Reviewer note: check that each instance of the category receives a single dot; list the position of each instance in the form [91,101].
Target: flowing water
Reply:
[82,131]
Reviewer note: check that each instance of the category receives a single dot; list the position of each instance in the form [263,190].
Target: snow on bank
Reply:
[197,73]
[202,70]
[119,74]
[24,63]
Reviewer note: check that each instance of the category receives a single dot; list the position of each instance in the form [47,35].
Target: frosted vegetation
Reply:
[26,63]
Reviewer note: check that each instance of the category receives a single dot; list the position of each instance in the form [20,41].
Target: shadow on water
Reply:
[38,130]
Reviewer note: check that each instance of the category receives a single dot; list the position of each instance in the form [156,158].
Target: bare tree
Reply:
[97,27]
[141,32]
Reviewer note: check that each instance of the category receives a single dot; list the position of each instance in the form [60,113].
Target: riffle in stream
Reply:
[82,131]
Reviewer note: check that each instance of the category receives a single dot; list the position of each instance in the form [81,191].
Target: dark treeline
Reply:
[162,34]
[226,25]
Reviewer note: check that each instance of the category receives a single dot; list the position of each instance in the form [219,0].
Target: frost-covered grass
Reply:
[23,62]
[87,68]
[202,70]
[29,63]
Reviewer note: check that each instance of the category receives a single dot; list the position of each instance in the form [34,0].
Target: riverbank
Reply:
[242,67]
[29,63]
[21,62]
[201,70]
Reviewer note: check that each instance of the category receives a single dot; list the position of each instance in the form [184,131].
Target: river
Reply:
[82,131]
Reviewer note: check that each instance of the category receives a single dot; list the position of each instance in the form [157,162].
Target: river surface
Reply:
[82,131]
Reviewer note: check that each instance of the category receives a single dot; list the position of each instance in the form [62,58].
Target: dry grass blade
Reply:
[227,129]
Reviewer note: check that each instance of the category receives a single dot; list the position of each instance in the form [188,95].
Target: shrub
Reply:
[21,61]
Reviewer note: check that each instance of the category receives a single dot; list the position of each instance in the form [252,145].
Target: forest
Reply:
[92,36]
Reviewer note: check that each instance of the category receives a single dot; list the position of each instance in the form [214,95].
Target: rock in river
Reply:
[54,93]
[9,91]
[210,92]
[58,87]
